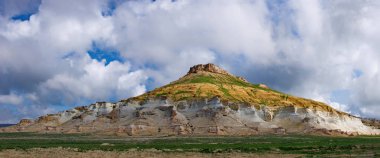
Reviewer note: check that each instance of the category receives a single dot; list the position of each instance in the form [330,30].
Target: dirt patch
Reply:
[73,153]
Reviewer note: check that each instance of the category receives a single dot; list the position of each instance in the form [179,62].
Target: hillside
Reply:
[208,81]
[206,101]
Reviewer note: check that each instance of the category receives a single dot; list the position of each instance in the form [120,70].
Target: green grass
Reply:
[221,79]
[180,92]
[198,92]
[200,79]
[225,91]
[288,144]
[161,94]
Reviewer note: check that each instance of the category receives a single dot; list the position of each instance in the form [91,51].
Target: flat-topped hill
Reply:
[206,101]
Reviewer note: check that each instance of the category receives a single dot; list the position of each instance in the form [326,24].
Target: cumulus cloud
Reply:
[12,99]
[162,31]
[319,49]
[333,44]
[45,62]
[96,81]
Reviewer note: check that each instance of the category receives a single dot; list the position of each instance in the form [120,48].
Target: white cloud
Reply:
[131,84]
[20,29]
[307,48]
[10,99]
[96,81]
[34,59]
[335,42]
[157,32]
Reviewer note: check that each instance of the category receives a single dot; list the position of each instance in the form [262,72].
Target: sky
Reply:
[56,55]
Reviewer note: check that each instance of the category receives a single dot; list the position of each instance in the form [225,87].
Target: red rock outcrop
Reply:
[207,68]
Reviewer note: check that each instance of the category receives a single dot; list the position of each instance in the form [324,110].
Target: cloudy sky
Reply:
[55,55]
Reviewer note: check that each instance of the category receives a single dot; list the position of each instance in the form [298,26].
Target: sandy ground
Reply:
[72,153]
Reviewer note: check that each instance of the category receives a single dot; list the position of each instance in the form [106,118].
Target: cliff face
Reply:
[211,68]
[206,101]
[161,117]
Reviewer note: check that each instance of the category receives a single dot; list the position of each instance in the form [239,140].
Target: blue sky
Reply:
[100,53]
[55,55]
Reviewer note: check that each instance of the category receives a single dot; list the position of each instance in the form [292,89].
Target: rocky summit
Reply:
[207,68]
[206,101]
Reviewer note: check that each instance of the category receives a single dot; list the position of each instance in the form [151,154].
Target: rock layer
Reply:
[207,68]
[161,117]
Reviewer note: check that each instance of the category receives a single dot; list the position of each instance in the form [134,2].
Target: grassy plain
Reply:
[308,146]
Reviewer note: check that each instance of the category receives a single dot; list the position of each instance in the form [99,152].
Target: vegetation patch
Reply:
[181,92]
[231,89]
[367,146]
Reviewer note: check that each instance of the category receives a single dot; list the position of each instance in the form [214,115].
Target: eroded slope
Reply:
[206,101]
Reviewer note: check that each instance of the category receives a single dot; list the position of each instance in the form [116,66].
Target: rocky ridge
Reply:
[206,101]
[207,68]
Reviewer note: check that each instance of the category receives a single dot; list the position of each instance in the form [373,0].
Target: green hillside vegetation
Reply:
[306,145]
[229,89]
